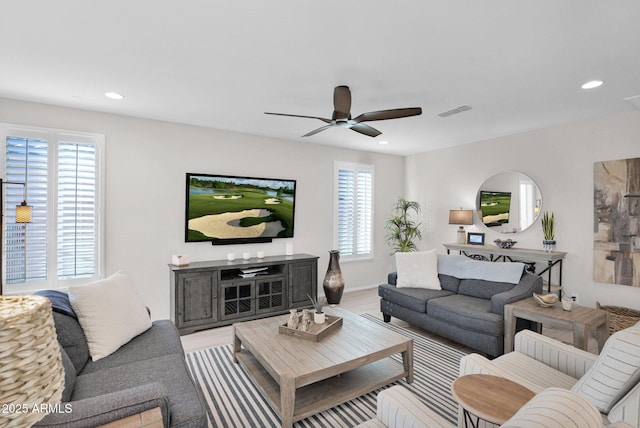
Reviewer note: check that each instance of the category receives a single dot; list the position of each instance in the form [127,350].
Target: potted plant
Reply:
[402,230]
[318,315]
[548,229]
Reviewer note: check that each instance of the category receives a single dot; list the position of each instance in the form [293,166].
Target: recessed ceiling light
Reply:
[383,142]
[114,95]
[592,84]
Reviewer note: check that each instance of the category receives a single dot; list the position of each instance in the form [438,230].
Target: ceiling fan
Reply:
[342,115]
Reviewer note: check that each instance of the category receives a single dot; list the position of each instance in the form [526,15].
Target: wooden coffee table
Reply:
[492,398]
[300,378]
[581,320]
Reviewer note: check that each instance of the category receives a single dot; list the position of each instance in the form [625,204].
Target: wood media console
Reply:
[220,292]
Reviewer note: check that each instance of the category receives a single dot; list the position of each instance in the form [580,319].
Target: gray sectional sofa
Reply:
[149,371]
[469,308]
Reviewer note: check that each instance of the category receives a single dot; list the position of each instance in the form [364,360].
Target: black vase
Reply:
[333,283]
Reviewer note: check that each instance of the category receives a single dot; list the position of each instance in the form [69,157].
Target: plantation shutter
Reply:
[25,253]
[354,210]
[62,175]
[76,210]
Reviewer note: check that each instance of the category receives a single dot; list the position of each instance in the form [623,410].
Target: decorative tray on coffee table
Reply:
[316,332]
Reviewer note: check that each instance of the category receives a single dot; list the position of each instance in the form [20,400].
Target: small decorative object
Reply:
[288,249]
[318,315]
[567,303]
[305,322]
[32,371]
[548,228]
[293,320]
[403,230]
[315,332]
[545,300]
[507,243]
[260,254]
[333,283]
[231,256]
[180,260]
[461,217]
[246,255]
[475,238]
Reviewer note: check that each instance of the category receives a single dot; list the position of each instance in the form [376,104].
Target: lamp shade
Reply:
[460,216]
[30,361]
[23,213]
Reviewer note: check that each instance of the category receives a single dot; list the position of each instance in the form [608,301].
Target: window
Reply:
[62,176]
[353,222]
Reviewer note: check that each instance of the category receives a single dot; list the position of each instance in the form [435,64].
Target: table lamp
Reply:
[461,217]
[31,371]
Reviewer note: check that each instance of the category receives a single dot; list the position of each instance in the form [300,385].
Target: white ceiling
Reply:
[222,64]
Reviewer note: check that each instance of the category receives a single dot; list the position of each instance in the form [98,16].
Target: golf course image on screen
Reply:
[230,208]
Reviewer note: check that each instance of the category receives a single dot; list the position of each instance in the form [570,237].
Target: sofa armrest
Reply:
[528,285]
[399,407]
[102,409]
[553,353]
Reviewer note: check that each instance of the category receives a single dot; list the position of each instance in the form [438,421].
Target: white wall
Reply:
[146,162]
[560,160]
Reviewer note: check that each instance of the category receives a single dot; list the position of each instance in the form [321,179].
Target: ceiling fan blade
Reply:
[315,131]
[341,102]
[388,114]
[298,115]
[365,129]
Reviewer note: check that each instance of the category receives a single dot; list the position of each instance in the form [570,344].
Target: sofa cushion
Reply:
[448,282]
[615,372]
[418,270]
[412,298]
[110,313]
[482,288]
[471,313]
[531,373]
[161,339]
[556,407]
[170,370]
[69,375]
[72,339]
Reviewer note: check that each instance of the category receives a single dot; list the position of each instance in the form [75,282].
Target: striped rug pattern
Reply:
[233,400]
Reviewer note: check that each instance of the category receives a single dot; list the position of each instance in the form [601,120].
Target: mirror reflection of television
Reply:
[495,207]
[227,209]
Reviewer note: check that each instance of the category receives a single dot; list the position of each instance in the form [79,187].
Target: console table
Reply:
[220,292]
[495,254]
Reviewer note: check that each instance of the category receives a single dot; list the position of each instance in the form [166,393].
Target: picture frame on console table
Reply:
[475,238]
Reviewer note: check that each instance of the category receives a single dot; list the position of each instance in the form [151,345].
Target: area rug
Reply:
[233,400]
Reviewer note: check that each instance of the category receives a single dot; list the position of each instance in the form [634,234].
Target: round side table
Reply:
[491,398]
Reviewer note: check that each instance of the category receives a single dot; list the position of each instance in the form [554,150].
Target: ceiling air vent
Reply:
[454,111]
[635,101]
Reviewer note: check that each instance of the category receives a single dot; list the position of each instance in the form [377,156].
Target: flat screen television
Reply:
[226,209]
[495,207]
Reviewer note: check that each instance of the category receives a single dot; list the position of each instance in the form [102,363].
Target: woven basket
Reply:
[31,372]
[620,317]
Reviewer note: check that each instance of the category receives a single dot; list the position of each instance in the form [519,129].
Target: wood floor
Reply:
[361,301]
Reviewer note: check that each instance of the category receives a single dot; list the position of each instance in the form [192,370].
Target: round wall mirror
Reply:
[508,202]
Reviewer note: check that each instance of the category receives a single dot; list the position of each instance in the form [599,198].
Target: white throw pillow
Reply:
[615,372]
[418,270]
[109,312]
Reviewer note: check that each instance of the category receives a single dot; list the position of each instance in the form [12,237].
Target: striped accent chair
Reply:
[609,381]
[552,408]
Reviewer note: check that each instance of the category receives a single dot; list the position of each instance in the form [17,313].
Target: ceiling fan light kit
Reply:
[342,115]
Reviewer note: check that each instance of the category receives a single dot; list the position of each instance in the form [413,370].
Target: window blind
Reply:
[354,210]
[62,176]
